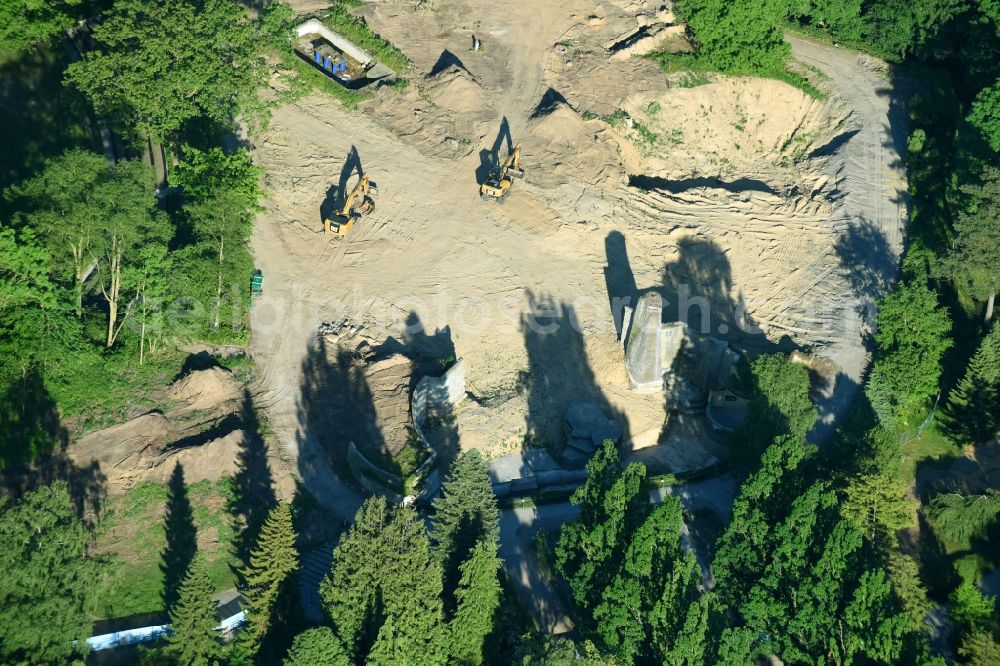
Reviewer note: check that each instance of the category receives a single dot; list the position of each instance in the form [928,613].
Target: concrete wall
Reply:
[373,478]
[439,395]
[315,26]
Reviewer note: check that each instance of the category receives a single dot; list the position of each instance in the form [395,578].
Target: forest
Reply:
[110,267]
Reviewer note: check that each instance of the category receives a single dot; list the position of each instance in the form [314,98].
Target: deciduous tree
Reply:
[912,337]
[737,37]
[162,64]
[60,205]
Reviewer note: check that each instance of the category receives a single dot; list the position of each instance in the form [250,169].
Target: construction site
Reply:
[746,204]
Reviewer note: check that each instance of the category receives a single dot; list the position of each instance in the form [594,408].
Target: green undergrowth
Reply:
[130,539]
[696,71]
[340,20]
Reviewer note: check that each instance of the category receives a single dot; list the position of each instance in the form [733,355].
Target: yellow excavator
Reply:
[359,202]
[497,186]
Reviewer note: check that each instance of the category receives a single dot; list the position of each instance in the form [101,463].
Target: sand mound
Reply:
[204,389]
[124,443]
[210,461]
[562,147]
[732,127]
[138,450]
[455,89]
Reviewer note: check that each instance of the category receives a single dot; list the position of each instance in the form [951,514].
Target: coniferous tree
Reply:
[959,518]
[477,596]
[193,639]
[383,594]
[317,647]
[181,537]
[465,514]
[410,587]
[350,592]
[268,582]
[611,505]
[979,648]
[975,258]
[644,610]
[972,414]
[761,504]
[44,578]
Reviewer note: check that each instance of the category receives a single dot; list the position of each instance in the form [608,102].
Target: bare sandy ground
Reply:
[758,198]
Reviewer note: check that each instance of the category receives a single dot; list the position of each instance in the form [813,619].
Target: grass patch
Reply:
[129,540]
[96,390]
[696,71]
[342,21]
[932,444]
[681,478]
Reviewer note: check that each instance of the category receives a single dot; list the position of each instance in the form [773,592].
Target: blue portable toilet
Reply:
[318,57]
[326,62]
[343,65]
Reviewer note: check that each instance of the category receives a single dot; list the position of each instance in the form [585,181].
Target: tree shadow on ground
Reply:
[336,407]
[489,160]
[182,537]
[39,116]
[697,289]
[253,493]
[447,60]
[868,262]
[33,448]
[619,279]
[558,372]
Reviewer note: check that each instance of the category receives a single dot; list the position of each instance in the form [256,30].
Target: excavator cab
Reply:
[359,202]
[497,186]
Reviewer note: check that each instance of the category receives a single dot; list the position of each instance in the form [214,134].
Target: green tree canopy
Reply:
[24,23]
[779,405]
[317,647]
[912,337]
[44,578]
[465,514]
[972,413]
[974,261]
[477,598]
[60,204]
[738,37]
[162,64]
[266,579]
[383,594]
[960,518]
[192,619]
[611,506]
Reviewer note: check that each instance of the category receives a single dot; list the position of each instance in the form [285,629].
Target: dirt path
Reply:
[875,194]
